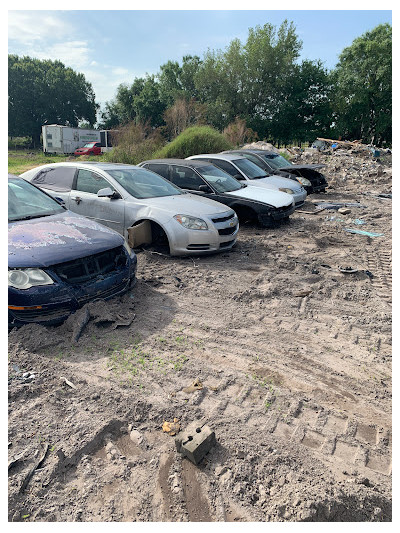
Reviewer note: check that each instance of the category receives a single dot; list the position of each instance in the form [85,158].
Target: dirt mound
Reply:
[288,339]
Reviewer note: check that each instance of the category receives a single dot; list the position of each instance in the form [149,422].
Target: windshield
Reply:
[26,201]
[276,160]
[142,183]
[250,169]
[89,145]
[220,180]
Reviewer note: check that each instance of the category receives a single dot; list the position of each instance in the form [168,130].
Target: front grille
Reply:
[37,315]
[227,231]
[223,219]
[87,268]
[103,295]
[198,247]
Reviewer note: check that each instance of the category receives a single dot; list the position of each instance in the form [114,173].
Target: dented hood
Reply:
[263,194]
[54,239]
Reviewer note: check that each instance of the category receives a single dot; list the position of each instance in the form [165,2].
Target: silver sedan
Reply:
[141,205]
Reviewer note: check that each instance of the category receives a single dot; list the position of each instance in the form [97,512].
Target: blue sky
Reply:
[113,47]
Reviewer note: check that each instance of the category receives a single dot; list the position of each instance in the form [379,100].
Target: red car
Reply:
[92,148]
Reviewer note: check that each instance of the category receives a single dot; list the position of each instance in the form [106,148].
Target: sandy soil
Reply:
[293,363]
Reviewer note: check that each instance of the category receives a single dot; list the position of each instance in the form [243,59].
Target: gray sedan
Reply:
[141,205]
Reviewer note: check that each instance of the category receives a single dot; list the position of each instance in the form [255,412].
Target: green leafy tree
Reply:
[46,92]
[363,88]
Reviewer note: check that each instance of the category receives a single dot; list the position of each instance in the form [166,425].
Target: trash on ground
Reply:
[67,382]
[195,441]
[301,294]
[196,385]
[27,478]
[348,270]
[359,221]
[172,428]
[362,232]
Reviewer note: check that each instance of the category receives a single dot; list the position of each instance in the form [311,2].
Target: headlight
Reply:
[303,181]
[28,277]
[284,189]
[191,222]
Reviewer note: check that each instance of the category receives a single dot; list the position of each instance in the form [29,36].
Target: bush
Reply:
[134,143]
[195,140]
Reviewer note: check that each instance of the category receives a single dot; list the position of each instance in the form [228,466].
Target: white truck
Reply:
[65,140]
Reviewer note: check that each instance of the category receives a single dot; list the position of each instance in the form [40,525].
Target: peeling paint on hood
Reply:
[57,238]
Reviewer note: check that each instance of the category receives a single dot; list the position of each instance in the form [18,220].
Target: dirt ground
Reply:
[292,363]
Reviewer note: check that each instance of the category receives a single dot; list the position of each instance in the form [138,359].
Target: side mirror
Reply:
[205,189]
[107,192]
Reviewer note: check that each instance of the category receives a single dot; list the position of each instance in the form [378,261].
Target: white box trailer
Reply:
[65,140]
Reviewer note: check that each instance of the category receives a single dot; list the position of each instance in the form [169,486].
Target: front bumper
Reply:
[52,304]
[276,214]
[220,236]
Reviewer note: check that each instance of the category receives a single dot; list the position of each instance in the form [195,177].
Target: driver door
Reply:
[83,200]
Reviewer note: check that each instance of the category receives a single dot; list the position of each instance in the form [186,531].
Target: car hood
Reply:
[277,182]
[185,204]
[314,166]
[46,241]
[263,194]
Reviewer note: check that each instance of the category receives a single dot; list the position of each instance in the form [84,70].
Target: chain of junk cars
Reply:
[74,226]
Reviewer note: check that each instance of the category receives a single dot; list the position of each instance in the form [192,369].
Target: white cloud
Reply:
[28,27]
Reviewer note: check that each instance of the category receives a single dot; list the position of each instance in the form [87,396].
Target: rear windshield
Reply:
[142,183]
[26,202]
[251,170]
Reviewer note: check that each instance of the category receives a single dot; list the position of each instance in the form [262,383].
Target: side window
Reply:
[88,181]
[162,170]
[186,178]
[98,145]
[225,165]
[56,179]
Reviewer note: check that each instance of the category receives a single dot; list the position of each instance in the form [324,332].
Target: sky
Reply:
[111,47]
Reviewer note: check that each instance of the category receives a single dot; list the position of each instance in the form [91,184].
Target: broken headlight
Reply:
[303,181]
[28,277]
[189,222]
[285,189]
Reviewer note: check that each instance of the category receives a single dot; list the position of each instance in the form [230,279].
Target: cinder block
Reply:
[195,441]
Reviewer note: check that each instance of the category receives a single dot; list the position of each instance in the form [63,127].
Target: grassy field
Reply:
[21,160]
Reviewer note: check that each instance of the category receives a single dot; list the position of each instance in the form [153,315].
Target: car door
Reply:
[83,200]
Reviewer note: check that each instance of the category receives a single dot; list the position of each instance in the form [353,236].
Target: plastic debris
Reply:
[348,270]
[361,232]
[172,428]
[359,222]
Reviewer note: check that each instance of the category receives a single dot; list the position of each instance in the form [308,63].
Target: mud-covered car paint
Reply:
[265,205]
[310,172]
[54,244]
[125,211]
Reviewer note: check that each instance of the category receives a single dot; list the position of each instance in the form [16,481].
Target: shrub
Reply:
[237,133]
[194,140]
[134,143]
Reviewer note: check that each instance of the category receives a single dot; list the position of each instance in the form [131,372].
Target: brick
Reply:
[195,441]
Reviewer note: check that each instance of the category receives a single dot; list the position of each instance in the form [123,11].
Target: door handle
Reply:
[77,199]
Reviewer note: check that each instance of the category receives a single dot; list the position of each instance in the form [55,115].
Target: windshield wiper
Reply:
[30,217]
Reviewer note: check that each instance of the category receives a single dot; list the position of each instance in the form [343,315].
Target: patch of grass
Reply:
[20,161]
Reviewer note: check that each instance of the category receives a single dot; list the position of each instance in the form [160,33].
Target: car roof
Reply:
[90,164]
[226,157]
[185,162]
[253,151]
[13,177]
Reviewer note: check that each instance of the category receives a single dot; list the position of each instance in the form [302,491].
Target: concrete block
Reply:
[195,441]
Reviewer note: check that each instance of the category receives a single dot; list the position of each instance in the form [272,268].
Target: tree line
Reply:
[260,83]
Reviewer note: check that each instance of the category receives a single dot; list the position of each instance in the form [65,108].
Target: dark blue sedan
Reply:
[57,260]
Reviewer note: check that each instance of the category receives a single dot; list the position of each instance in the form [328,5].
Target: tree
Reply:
[363,88]
[46,92]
